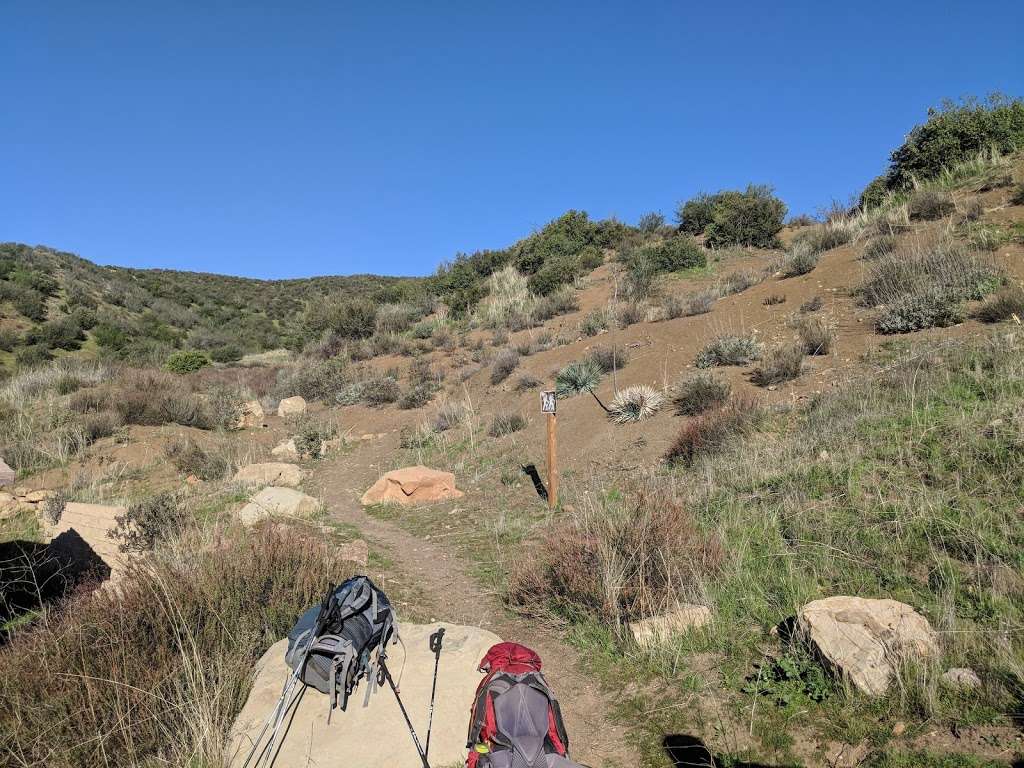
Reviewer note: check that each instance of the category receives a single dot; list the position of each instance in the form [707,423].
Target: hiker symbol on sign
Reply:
[547,402]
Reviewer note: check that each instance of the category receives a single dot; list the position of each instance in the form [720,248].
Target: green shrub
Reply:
[928,308]
[729,349]
[782,363]
[953,134]
[824,237]
[313,379]
[226,353]
[595,321]
[381,389]
[799,260]
[696,214]
[505,424]
[753,217]
[739,281]
[149,522]
[416,396]
[676,253]
[699,392]
[186,361]
[31,357]
[310,435]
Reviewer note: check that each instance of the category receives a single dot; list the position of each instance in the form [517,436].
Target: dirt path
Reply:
[453,595]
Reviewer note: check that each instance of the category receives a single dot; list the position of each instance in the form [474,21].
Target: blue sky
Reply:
[292,139]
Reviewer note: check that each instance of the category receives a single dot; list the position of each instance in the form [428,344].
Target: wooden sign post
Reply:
[548,405]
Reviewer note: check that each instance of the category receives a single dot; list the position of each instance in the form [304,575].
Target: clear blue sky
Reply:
[291,139]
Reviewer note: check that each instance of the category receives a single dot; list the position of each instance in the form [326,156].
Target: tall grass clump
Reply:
[816,334]
[157,671]
[699,392]
[780,364]
[618,560]
[1003,306]
[709,432]
[505,362]
[799,260]
[509,303]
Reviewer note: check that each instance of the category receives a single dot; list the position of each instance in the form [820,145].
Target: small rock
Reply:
[658,629]
[899,729]
[192,480]
[270,473]
[7,475]
[961,677]
[251,416]
[291,406]
[367,437]
[823,456]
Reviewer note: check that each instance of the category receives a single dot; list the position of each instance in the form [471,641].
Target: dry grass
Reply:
[729,349]
[699,392]
[816,334]
[710,431]
[780,364]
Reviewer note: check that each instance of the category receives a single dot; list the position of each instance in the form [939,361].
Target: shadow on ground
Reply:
[687,751]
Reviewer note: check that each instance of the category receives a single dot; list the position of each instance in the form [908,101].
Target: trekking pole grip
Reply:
[435,641]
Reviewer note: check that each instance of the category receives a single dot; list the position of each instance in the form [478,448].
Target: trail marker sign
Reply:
[548,403]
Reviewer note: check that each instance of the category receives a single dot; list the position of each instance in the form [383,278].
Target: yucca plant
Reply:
[580,376]
[636,403]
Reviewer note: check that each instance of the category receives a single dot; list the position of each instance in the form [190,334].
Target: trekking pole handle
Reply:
[435,641]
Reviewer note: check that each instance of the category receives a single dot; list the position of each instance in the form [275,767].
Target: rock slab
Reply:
[7,475]
[279,502]
[412,485]
[85,528]
[866,639]
[658,629]
[374,737]
[270,473]
[291,406]
[251,416]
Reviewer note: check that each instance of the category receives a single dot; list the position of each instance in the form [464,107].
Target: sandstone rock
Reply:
[291,406]
[7,475]
[286,450]
[658,629]
[87,527]
[251,416]
[866,639]
[961,677]
[357,551]
[278,501]
[270,473]
[413,485]
[38,497]
[375,736]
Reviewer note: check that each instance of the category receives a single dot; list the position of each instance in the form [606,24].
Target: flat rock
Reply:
[270,473]
[374,736]
[961,677]
[286,450]
[865,639]
[251,416]
[277,501]
[292,406]
[412,485]
[658,629]
[7,475]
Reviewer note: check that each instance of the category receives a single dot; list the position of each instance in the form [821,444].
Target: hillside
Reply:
[754,414]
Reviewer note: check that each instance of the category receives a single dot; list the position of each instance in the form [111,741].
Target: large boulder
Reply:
[7,475]
[83,532]
[867,639]
[270,473]
[375,736]
[251,416]
[286,450]
[291,406]
[412,485]
[278,502]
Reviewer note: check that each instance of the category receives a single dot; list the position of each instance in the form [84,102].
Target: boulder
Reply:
[286,450]
[658,629]
[83,531]
[251,416]
[270,473]
[375,736]
[278,501]
[412,485]
[866,639]
[7,475]
[961,677]
[291,406]
[357,551]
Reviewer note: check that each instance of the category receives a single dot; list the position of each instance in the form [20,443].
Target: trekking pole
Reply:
[385,673]
[436,640]
[277,714]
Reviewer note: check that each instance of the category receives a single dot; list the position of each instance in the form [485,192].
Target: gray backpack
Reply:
[332,645]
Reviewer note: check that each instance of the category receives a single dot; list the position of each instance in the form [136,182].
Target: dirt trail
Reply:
[453,595]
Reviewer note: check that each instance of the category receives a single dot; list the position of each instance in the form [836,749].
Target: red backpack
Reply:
[515,720]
